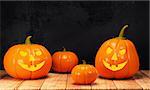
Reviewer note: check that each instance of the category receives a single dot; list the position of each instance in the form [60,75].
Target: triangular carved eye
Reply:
[122,52]
[23,53]
[109,50]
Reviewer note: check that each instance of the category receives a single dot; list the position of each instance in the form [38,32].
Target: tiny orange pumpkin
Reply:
[84,73]
[27,61]
[117,58]
[64,61]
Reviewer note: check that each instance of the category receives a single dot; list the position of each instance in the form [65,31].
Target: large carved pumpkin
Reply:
[27,61]
[117,58]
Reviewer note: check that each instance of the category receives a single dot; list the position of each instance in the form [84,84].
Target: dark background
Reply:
[81,27]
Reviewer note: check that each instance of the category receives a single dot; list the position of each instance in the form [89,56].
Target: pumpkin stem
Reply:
[84,62]
[28,41]
[64,49]
[122,31]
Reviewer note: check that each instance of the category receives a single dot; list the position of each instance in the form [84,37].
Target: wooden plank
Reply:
[142,80]
[102,83]
[55,82]
[72,86]
[126,84]
[2,73]
[146,72]
[9,83]
[31,84]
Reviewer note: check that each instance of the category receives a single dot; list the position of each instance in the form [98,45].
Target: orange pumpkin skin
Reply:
[27,61]
[84,74]
[117,58]
[64,61]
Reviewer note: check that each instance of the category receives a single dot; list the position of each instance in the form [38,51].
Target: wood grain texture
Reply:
[31,84]
[72,86]
[126,84]
[142,80]
[55,82]
[2,73]
[146,72]
[102,83]
[9,83]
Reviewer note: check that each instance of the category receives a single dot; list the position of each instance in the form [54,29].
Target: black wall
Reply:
[81,27]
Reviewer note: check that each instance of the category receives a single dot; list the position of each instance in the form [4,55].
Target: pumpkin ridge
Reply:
[60,62]
[137,58]
[16,61]
[69,65]
[128,58]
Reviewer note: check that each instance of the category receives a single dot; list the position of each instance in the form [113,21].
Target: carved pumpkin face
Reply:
[117,58]
[27,61]
[31,59]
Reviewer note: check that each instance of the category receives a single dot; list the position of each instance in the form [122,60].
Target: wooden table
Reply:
[54,81]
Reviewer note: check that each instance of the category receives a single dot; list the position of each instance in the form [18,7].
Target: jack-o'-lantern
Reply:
[64,61]
[27,61]
[117,58]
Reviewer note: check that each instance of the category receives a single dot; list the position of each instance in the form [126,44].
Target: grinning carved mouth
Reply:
[114,67]
[31,67]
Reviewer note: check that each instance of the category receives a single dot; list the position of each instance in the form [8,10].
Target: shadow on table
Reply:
[136,76]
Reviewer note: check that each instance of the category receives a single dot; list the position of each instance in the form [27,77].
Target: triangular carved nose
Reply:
[31,58]
[114,57]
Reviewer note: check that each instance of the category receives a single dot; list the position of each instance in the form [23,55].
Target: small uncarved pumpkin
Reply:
[117,58]
[27,61]
[64,61]
[84,73]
